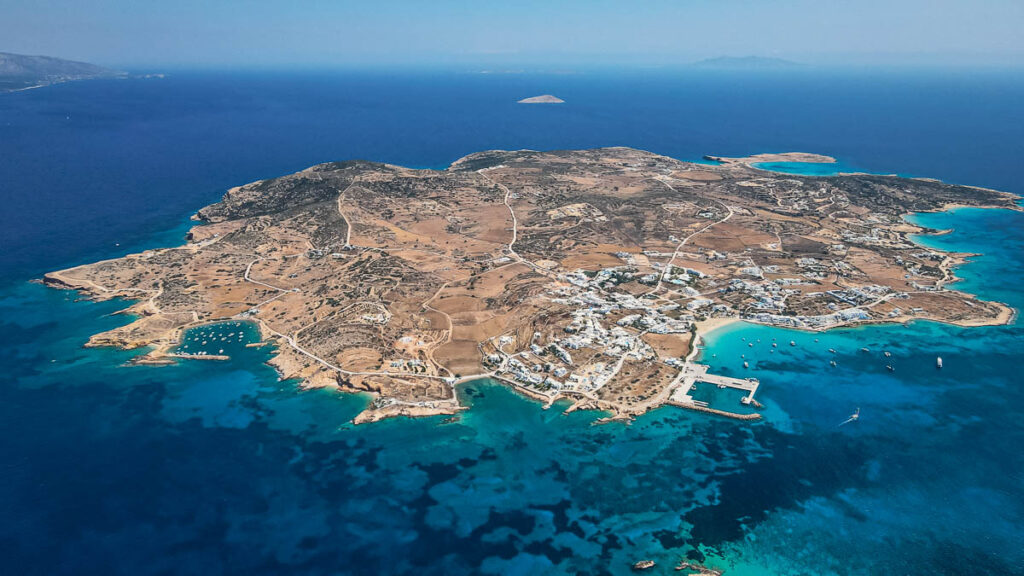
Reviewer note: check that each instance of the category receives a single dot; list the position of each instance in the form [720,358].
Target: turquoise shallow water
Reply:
[218,467]
[929,478]
[806,168]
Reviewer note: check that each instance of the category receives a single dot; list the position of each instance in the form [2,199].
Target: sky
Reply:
[322,33]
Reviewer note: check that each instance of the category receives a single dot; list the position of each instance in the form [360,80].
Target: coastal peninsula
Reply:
[20,72]
[586,275]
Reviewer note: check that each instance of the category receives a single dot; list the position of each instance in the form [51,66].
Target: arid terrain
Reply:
[585,275]
[21,72]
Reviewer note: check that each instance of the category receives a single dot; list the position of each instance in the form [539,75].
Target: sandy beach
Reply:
[705,327]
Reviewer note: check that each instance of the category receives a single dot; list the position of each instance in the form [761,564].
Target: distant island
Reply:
[21,72]
[586,275]
[746,63]
[542,99]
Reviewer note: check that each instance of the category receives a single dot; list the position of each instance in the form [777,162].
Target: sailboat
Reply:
[853,417]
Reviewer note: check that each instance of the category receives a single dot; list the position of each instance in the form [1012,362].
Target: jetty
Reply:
[692,373]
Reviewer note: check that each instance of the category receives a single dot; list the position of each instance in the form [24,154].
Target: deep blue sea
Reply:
[219,468]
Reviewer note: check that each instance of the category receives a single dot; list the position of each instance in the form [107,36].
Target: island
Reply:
[20,72]
[584,275]
[746,63]
[542,99]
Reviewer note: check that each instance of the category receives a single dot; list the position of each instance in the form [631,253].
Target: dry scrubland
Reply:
[577,274]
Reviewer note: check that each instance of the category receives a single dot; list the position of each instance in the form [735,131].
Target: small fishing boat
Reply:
[938,362]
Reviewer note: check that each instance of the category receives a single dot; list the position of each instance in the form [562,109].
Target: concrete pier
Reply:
[688,376]
[692,373]
[748,384]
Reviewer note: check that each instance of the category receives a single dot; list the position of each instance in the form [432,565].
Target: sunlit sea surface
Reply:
[210,467]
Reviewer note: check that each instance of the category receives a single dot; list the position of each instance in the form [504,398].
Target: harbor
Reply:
[692,373]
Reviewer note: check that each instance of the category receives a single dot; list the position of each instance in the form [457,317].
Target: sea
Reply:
[222,468]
